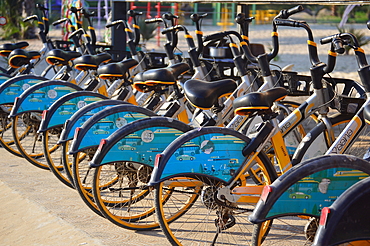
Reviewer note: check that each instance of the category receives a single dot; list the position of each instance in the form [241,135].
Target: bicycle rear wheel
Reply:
[28,141]
[56,156]
[6,134]
[128,202]
[207,221]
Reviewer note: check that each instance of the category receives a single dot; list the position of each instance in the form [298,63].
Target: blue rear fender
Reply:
[41,96]
[310,186]
[82,115]
[104,123]
[139,141]
[14,87]
[213,152]
[62,109]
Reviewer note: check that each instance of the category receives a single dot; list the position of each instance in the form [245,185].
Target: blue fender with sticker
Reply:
[139,141]
[14,87]
[104,123]
[41,96]
[347,219]
[214,152]
[82,115]
[307,188]
[62,109]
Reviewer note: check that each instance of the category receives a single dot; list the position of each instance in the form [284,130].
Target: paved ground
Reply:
[37,209]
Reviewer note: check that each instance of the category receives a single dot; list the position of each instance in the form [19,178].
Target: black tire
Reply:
[54,155]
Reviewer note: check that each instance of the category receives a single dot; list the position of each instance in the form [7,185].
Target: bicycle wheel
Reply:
[81,171]
[119,186]
[83,178]
[30,144]
[54,155]
[207,221]
[6,135]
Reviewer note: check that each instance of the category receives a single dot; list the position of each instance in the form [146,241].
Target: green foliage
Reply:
[147,30]
[15,27]
[360,35]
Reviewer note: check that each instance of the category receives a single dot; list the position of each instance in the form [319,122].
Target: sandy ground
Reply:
[38,210]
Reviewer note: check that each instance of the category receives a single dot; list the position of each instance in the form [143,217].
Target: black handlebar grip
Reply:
[133,13]
[284,22]
[59,21]
[74,10]
[114,23]
[294,10]
[215,36]
[29,18]
[173,28]
[241,18]
[153,20]
[286,13]
[368,24]
[169,16]
[196,17]
[326,40]
[76,32]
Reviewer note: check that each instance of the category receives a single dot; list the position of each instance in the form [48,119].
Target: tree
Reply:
[15,11]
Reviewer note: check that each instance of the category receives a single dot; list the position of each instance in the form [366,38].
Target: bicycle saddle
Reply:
[205,94]
[61,57]
[6,49]
[258,101]
[116,70]
[161,76]
[91,62]
[20,57]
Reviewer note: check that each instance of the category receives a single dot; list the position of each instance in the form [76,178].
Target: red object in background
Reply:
[3,20]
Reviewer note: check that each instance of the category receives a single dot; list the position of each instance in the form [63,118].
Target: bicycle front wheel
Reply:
[208,221]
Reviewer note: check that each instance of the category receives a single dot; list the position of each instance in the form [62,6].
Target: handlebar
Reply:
[133,13]
[196,17]
[153,20]
[77,32]
[342,39]
[286,13]
[31,18]
[75,10]
[174,28]
[55,23]
[169,16]
[241,18]
[114,23]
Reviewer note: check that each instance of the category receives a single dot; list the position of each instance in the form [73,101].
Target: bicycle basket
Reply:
[350,95]
[296,84]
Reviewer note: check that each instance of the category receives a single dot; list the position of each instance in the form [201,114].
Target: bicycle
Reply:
[346,138]
[218,170]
